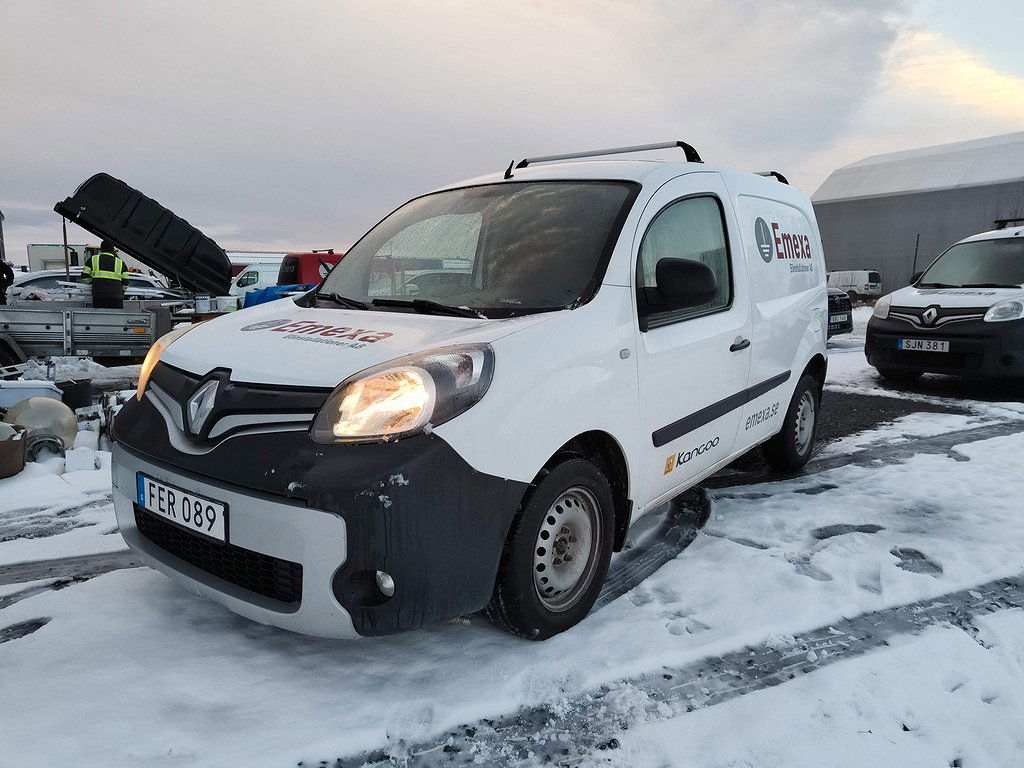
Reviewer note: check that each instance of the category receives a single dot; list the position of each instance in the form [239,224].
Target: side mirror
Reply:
[915,277]
[685,283]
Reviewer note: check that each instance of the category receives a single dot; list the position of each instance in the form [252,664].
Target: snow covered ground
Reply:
[128,669]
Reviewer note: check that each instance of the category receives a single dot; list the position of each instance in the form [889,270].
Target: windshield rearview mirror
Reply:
[685,283]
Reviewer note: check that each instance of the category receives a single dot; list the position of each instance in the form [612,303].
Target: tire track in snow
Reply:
[67,568]
[886,452]
[563,733]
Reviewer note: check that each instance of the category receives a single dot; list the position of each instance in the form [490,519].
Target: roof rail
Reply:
[692,155]
[1001,223]
[774,174]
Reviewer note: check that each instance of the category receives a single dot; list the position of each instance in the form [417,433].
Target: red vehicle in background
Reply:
[307,268]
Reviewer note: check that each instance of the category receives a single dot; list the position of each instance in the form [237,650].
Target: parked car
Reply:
[963,316]
[840,312]
[255,277]
[859,284]
[54,284]
[357,462]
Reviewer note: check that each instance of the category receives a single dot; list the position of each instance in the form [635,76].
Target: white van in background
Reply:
[858,283]
[367,459]
[253,277]
[963,316]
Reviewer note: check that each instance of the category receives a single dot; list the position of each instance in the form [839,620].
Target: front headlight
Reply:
[402,397]
[1012,309]
[881,310]
[153,356]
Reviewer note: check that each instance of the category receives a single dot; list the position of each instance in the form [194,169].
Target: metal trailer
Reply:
[71,328]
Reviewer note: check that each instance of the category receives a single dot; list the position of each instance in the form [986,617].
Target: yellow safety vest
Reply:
[92,270]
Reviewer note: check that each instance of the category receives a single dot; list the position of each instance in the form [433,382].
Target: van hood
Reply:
[282,343]
[952,297]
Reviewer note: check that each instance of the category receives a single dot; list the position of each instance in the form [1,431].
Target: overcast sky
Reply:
[285,125]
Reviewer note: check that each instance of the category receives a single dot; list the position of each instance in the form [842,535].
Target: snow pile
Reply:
[60,368]
[941,699]
[47,512]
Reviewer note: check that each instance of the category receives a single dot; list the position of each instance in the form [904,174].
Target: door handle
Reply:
[739,344]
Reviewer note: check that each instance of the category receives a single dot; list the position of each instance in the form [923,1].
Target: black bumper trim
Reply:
[688,424]
[413,508]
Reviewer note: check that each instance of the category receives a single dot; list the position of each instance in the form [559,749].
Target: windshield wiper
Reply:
[344,301]
[428,307]
[988,285]
[937,285]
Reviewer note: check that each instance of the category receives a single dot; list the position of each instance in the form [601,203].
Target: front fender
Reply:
[574,373]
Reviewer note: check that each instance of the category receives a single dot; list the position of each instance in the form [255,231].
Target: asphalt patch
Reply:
[828,531]
[19,630]
[846,413]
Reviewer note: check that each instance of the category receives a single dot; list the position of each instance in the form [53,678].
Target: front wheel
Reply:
[789,450]
[556,556]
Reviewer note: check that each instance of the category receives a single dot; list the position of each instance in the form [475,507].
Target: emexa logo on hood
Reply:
[321,333]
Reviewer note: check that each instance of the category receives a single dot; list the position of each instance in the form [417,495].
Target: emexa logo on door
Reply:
[773,240]
[763,236]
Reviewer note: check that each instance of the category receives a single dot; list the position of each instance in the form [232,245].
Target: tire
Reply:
[790,449]
[899,376]
[535,595]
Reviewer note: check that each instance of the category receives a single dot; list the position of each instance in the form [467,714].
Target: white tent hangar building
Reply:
[878,212]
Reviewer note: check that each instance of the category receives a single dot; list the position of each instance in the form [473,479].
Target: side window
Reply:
[693,229]
[247,278]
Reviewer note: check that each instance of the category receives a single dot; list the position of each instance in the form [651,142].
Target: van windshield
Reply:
[499,249]
[981,264]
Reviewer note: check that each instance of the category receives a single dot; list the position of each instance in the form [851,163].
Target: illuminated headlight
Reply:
[400,398]
[153,356]
[881,310]
[1005,310]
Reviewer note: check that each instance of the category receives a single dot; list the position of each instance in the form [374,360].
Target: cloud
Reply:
[925,64]
[301,124]
[929,92]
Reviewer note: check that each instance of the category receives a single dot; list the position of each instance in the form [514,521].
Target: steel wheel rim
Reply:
[565,554]
[804,429]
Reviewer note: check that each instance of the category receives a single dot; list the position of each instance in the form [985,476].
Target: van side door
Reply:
[693,363]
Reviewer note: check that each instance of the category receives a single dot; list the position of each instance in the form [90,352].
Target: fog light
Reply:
[385,584]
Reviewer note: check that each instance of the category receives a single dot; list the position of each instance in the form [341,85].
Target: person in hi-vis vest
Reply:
[108,276]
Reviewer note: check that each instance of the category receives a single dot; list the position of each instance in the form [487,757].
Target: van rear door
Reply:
[144,229]
[692,363]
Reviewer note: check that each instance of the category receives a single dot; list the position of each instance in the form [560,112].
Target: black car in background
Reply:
[840,312]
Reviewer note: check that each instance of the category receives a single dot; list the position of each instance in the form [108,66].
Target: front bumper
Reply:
[977,349]
[282,530]
[413,508]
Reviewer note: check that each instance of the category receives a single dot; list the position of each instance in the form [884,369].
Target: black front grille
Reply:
[265,575]
[838,304]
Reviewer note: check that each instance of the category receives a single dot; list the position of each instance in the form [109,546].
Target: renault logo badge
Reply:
[929,315]
[200,406]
